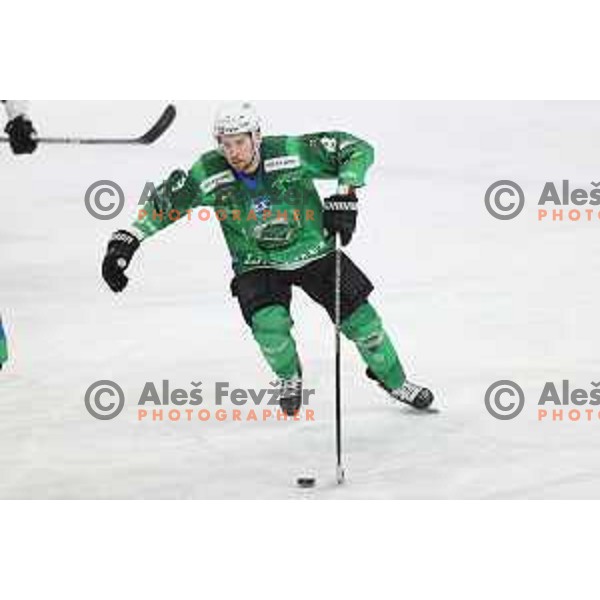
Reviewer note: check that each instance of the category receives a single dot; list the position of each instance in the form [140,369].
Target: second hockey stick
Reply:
[157,130]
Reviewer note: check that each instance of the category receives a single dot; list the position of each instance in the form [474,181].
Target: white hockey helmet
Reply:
[236,118]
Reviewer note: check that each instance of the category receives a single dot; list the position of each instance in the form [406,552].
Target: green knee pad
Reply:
[365,329]
[271,327]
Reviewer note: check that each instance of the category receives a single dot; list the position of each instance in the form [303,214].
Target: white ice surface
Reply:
[469,300]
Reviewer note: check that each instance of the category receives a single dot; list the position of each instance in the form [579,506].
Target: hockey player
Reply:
[280,235]
[21,134]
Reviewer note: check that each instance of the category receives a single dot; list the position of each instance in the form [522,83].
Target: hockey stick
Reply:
[164,122]
[340,472]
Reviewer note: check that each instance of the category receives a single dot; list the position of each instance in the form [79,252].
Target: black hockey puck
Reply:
[306,482]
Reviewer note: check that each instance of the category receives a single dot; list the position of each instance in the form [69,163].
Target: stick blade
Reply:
[158,129]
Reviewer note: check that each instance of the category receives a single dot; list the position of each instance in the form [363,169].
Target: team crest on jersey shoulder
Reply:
[282,163]
[215,181]
[330,144]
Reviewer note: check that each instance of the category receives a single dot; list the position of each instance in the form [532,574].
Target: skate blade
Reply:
[430,410]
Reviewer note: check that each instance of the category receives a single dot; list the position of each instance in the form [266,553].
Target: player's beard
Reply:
[252,165]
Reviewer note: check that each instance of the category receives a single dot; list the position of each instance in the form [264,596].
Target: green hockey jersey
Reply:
[273,219]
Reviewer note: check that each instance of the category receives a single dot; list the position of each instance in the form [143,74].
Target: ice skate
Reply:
[290,395]
[415,395]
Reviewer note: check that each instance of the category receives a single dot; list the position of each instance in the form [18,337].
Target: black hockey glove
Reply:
[339,215]
[22,135]
[121,248]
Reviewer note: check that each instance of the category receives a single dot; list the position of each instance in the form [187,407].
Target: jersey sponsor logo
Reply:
[212,183]
[282,163]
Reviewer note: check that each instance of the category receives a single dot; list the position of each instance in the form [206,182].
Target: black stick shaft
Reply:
[82,141]
[338,362]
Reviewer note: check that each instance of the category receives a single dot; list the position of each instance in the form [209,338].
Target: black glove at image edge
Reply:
[21,135]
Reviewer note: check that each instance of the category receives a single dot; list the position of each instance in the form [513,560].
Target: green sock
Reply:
[272,327]
[365,329]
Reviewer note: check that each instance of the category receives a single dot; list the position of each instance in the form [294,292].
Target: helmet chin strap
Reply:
[256,143]
[255,164]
